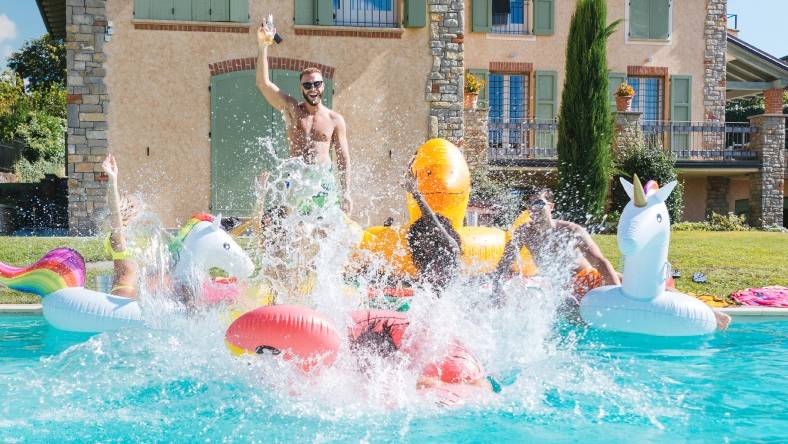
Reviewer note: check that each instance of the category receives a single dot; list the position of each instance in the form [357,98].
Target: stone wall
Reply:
[627,130]
[717,188]
[476,134]
[445,84]
[86,24]
[767,185]
[715,36]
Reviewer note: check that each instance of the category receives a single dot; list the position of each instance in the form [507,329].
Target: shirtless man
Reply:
[591,268]
[311,127]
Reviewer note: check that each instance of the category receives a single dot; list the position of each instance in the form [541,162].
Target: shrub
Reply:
[715,222]
[649,162]
[43,135]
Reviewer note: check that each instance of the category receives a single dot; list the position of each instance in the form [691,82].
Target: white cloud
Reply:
[7,28]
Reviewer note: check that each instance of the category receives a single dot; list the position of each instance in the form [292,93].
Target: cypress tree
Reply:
[585,130]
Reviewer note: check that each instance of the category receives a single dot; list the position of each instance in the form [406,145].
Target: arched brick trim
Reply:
[247,63]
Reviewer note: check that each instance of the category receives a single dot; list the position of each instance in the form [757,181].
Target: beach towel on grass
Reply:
[774,296]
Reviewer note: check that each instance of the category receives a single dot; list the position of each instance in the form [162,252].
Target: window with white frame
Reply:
[367,13]
[507,111]
[649,93]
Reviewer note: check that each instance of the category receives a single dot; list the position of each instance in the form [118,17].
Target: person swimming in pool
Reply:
[312,128]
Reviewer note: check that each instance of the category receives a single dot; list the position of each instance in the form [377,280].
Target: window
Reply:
[509,17]
[648,97]
[513,16]
[508,105]
[649,19]
[193,10]
[369,13]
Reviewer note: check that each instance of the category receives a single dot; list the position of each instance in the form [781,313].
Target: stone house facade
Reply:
[167,86]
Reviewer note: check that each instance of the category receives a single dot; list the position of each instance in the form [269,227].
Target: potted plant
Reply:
[472,87]
[624,94]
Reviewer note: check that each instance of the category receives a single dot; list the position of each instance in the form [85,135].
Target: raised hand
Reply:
[110,167]
[266,33]
[409,182]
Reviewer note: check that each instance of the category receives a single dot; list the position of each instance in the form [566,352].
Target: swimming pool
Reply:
[179,384]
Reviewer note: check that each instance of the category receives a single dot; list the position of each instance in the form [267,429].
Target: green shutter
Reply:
[484,76]
[161,10]
[182,10]
[681,98]
[658,19]
[613,80]
[543,17]
[220,11]
[546,93]
[201,10]
[304,12]
[325,12]
[680,111]
[639,19]
[415,14]
[239,11]
[482,15]
[142,9]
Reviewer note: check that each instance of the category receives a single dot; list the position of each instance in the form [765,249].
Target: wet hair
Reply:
[376,340]
[310,70]
[432,254]
[546,193]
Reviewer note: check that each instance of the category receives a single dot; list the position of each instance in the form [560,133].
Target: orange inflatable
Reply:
[445,182]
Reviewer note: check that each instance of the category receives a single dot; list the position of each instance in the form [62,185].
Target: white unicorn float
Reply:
[641,304]
[59,278]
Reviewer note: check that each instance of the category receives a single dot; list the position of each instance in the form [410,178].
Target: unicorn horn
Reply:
[639,196]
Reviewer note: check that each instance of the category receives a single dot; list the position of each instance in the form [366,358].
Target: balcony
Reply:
[532,143]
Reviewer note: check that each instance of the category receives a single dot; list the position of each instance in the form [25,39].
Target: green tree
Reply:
[14,105]
[41,62]
[585,127]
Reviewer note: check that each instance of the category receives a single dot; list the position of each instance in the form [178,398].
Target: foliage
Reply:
[738,110]
[715,222]
[624,90]
[41,62]
[472,84]
[14,105]
[50,100]
[649,162]
[43,136]
[491,192]
[730,260]
[585,127]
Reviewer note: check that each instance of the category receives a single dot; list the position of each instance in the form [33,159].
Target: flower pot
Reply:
[624,103]
[471,100]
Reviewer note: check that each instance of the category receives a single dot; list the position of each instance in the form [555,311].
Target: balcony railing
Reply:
[523,141]
[365,13]
[515,22]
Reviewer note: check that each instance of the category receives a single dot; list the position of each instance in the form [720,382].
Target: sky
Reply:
[761,23]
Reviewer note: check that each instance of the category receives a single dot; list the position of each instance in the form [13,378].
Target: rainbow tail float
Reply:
[60,268]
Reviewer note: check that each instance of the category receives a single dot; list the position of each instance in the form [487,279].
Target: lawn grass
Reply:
[730,260]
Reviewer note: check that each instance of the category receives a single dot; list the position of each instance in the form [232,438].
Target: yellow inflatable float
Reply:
[445,182]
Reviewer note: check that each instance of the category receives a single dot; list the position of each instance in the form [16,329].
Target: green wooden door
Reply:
[247,136]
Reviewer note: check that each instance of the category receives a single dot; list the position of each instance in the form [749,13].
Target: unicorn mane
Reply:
[58,269]
[177,243]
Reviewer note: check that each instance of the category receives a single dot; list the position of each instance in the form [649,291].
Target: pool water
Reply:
[179,384]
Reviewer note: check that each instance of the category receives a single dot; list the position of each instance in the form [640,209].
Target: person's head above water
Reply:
[312,85]
[541,205]
[434,258]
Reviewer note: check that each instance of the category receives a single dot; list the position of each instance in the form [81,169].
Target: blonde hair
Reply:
[310,70]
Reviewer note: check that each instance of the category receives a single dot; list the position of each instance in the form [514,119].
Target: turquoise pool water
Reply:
[178,384]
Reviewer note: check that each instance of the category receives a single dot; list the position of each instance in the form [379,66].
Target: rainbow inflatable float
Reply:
[445,182]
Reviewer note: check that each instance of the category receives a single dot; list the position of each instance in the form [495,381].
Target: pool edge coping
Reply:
[20,308]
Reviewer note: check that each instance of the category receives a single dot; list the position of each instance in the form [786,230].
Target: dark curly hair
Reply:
[431,252]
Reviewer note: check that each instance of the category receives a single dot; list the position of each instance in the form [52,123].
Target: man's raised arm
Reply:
[271,92]
[343,162]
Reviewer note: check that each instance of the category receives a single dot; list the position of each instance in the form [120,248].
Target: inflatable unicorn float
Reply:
[59,278]
[642,304]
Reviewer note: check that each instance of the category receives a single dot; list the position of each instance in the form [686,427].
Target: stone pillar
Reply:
[715,36]
[476,137]
[767,185]
[86,24]
[773,99]
[717,195]
[445,84]
[628,131]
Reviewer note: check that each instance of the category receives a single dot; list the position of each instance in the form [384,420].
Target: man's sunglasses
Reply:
[309,85]
[538,204]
